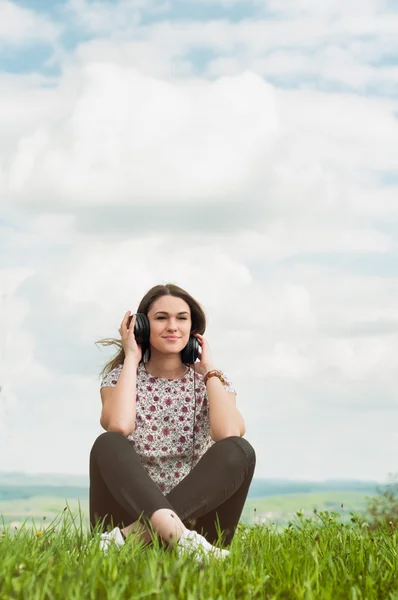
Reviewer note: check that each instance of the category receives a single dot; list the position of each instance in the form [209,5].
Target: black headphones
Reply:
[189,354]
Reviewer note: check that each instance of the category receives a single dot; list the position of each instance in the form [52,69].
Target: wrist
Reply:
[131,359]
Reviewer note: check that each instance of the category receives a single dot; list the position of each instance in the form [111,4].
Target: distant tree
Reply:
[383,509]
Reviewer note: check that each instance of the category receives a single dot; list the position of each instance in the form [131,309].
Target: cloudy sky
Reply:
[245,150]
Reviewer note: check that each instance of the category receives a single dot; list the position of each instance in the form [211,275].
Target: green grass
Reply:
[317,558]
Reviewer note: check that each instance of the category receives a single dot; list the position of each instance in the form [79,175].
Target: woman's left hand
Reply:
[205,360]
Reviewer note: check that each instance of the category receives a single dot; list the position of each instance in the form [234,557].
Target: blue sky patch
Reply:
[17,59]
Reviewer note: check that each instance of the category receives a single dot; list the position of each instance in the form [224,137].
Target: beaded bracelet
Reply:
[214,373]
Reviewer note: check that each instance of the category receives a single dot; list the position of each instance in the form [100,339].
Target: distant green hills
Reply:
[18,485]
[50,479]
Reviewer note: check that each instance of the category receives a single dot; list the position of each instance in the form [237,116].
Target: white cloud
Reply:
[101,17]
[329,65]
[318,55]
[128,136]
[20,25]
[285,238]
[329,47]
[131,136]
[332,8]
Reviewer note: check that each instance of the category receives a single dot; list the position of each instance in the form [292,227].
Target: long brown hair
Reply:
[198,318]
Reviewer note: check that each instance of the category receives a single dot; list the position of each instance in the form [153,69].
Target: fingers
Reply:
[125,321]
[132,322]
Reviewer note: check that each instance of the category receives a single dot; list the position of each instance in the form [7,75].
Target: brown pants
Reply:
[212,495]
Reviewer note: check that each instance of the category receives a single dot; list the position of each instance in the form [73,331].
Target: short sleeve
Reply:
[228,384]
[111,378]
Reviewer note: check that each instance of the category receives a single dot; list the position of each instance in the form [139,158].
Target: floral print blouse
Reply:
[163,434]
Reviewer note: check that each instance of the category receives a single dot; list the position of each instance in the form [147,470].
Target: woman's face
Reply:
[169,316]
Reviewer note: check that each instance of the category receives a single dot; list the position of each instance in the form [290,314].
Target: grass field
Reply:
[317,558]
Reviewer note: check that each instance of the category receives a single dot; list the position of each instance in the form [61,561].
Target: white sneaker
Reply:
[192,542]
[112,537]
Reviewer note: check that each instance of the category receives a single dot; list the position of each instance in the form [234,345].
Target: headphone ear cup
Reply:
[142,330]
[190,353]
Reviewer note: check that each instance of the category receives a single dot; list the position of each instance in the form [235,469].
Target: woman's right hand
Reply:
[129,343]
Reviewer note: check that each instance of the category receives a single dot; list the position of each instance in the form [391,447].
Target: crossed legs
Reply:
[212,495]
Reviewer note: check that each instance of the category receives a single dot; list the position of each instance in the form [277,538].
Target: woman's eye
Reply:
[181,318]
